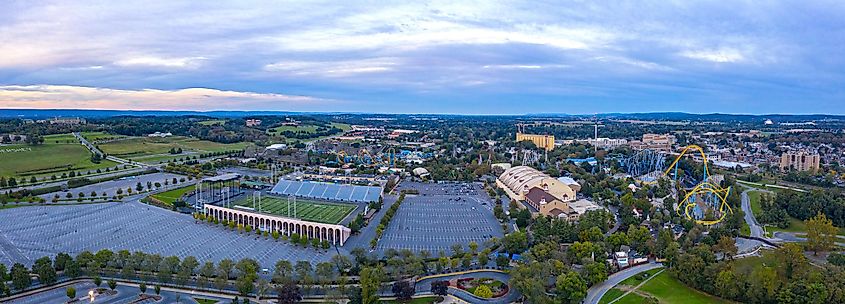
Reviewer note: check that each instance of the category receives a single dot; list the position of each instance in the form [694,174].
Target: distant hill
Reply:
[674,116]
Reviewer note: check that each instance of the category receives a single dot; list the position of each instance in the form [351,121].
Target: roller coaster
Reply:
[706,195]
[364,157]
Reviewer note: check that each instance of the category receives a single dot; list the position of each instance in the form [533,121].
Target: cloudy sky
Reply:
[413,57]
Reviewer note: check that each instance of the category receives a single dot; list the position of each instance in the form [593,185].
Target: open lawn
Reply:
[147,146]
[663,287]
[96,136]
[754,198]
[277,131]
[205,301]
[212,122]
[47,159]
[309,210]
[173,195]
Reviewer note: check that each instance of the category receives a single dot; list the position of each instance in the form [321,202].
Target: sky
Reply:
[465,57]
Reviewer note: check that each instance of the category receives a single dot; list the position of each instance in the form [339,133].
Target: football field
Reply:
[308,210]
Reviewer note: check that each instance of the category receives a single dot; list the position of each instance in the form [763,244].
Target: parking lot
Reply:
[27,233]
[441,216]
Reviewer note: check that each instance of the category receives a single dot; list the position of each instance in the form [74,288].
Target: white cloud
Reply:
[76,97]
[334,68]
[153,61]
[723,55]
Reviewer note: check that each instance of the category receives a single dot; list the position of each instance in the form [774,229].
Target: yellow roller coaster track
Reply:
[702,189]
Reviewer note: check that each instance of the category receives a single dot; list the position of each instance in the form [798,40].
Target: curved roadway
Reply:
[424,286]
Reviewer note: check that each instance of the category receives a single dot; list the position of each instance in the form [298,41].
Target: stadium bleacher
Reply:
[327,191]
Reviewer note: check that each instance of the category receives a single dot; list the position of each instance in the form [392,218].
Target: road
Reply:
[595,293]
[424,286]
[756,229]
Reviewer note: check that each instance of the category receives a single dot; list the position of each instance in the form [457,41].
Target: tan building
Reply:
[541,141]
[659,142]
[253,122]
[519,180]
[799,161]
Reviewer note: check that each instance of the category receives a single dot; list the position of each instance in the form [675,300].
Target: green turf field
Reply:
[48,158]
[147,146]
[313,211]
[173,195]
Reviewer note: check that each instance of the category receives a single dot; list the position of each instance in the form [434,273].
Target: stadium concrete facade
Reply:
[334,234]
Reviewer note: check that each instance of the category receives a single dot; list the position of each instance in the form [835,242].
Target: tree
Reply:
[403,290]
[44,268]
[157,289]
[288,293]
[571,287]
[225,266]
[821,234]
[20,277]
[112,284]
[483,292]
[515,242]
[440,287]
[282,271]
[61,261]
[70,292]
[371,278]
[596,272]
[72,269]
[4,276]
[727,246]
[142,287]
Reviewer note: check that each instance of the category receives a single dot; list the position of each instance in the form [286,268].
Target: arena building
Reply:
[519,180]
[334,234]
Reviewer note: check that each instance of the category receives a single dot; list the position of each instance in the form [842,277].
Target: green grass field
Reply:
[314,211]
[48,159]
[212,122]
[135,148]
[663,287]
[173,195]
[304,128]
[95,136]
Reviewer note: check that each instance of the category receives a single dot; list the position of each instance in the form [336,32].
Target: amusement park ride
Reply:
[706,195]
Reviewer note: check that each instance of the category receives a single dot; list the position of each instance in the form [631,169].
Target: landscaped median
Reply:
[386,220]
[170,199]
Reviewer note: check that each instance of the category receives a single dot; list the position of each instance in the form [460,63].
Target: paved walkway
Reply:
[636,287]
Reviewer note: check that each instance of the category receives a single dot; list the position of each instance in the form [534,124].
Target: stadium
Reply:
[306,208]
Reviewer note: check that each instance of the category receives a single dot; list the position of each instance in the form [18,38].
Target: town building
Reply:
[546,142]
[253,122]
[799,161]
[67,121]
[658,142]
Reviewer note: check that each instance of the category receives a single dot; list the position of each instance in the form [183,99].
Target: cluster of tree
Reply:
[783,276]
[807,204]
[771,213]
[175,151]
[805,177]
